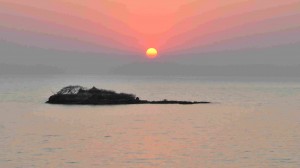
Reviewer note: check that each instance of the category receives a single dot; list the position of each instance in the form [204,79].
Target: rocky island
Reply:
[79,95]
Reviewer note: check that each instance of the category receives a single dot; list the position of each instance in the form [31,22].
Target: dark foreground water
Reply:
[250,124]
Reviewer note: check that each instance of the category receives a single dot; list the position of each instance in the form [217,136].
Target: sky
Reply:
[117,31]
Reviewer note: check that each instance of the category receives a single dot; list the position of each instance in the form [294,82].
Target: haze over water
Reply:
[249,124]
[249,49]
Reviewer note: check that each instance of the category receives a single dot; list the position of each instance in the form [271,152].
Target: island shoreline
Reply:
[78,95]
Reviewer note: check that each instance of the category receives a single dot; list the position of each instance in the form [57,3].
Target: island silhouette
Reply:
[78,95]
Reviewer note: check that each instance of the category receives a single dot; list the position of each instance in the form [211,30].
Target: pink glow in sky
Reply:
[171,26]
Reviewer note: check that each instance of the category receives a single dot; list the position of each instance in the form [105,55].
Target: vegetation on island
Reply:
[94,96]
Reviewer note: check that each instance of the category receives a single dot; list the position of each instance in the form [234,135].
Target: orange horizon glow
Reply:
[173,26]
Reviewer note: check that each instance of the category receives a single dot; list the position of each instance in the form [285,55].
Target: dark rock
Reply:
[95,96]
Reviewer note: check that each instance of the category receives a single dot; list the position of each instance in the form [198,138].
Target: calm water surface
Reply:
[250,124]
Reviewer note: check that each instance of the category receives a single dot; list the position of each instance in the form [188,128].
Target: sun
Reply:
[151,53]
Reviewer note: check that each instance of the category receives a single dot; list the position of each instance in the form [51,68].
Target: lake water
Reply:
[249,124]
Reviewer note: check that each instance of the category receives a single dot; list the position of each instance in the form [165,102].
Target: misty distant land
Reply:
[78,95]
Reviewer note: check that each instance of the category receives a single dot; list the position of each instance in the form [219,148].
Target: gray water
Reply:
[251,123]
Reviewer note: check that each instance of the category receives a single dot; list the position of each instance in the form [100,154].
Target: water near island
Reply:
[251,123]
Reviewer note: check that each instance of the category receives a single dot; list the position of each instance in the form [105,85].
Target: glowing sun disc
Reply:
[151,53]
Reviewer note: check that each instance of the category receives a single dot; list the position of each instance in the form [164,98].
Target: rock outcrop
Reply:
[80,95]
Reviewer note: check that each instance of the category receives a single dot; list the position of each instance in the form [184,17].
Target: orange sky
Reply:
[133,26]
